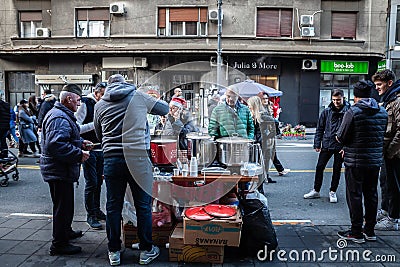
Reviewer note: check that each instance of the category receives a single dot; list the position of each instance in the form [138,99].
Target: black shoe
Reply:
[65,250]
[270,181]
[94,223]
[369,235]
[349,235]
[75,234]
[100,216]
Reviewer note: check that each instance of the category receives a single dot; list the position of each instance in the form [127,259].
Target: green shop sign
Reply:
[344,67]
[381,65]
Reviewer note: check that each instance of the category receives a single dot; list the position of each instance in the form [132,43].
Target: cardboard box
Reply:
[216,232]
[160,234]
[180,252]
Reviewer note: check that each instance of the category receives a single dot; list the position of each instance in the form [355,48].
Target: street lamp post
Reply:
[219,49]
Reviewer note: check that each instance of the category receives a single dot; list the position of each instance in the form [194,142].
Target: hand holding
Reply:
[85,155]
[87,145]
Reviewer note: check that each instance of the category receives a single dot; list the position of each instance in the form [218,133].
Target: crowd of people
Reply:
[92,131]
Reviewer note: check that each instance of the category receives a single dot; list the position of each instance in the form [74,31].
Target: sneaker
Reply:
[332,197]
[381,214]
[100,216]
[387,224]
[348,235]
[369,236]
[114,257]
[285,171]
[36,155]
[148,256]
[312,194]
[94,223]
[64,250]
[21,155]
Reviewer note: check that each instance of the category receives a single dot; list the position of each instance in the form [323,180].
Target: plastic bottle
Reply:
[194,171]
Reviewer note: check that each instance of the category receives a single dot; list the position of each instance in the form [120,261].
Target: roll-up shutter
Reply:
[268,22]
[30,16]
[344,24]
[183,14]
[93,14]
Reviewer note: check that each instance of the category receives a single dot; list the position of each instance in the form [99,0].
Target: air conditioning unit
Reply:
[213,15]
[117,8]
[307,31]
[309,64]
[42,32]
[306,20]
[139,62]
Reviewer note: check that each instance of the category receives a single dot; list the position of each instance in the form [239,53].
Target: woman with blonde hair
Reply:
[264,132]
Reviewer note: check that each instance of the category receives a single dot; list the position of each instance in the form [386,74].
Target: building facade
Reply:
[302,48]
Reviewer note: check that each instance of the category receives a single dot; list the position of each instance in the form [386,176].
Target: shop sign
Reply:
[255,66]
[381,65]
[344,67]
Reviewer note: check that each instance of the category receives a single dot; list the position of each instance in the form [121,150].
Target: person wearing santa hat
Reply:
[178,121]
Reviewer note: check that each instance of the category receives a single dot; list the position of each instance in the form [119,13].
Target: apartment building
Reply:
[303,48]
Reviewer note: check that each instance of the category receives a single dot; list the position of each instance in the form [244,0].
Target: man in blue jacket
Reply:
[361,134]
[120,121]
[325,143]
[62,154]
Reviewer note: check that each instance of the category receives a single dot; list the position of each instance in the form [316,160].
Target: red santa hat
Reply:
[178,102]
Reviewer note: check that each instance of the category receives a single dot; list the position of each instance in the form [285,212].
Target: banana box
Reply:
[215,232]
[179,252]
[160,234]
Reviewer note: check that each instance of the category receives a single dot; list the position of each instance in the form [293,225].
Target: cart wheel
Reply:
[15,176]
[4,183]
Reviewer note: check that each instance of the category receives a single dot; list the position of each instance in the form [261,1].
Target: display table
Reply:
[211,178]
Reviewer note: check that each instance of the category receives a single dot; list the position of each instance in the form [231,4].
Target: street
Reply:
[30,195]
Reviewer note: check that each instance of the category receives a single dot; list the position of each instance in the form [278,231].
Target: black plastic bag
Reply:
[257,229]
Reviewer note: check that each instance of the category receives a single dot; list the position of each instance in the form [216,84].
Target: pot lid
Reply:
[234,140]
[199,135]
[198,214]
[163,141]
[220,211]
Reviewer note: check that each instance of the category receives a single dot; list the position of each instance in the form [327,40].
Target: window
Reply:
[398,26]
[29,21]
[274,22]
[93,22]
[184,21]
[344,25]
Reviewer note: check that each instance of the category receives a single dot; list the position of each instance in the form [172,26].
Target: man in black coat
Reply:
[361,134]
[62,154]
[325,143]
[4,126]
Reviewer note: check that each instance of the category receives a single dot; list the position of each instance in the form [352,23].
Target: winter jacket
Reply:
[47,104]
[180,128]
[226,121]
[13,118]
[212,103]
[391,101]
[27,126]
[61,146]
[4,115]
[84,117]
[361,133]
[328,124]
[120,119]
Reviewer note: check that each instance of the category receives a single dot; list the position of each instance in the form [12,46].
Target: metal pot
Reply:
[202,147]
[163,150]
[233,151]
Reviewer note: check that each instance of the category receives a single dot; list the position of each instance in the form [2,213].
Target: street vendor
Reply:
[231,118]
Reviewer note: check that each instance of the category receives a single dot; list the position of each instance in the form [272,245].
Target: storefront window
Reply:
[271,81]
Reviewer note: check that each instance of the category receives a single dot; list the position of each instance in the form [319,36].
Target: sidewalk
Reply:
[24,241]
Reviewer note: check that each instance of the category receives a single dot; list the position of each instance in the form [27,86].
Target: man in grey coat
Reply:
[120,122]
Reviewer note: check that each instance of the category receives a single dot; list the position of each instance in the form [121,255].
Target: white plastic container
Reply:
[194,170]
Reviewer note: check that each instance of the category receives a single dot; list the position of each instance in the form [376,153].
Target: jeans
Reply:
[384,190]
[277,164]
[362,182]
[93,172]
[393,186]
[323,158]
[14,135]
[117,175]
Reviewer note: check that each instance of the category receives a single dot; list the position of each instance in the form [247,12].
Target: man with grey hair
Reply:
[62,152]
[120,121]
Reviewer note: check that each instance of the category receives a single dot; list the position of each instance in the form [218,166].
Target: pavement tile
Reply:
[14,222]
[41,235]
[274,263]
[19,234]
[69,261]
[290,241]
[12,260]
[35,224]
[2,220]
[393,241]
[5,231]
[390,233]
[26,247]
[87,249]
[315,241]
[283,230]
[7,244]
[307,230]
[44,250]
[331,229]
[89,236]
[38,260]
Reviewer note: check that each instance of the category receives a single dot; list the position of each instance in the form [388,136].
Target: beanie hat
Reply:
[178,102]
[362,89]
[72,88]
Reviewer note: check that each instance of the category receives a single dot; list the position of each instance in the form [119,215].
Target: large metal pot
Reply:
[233,151]
[163,150]
[202,147]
